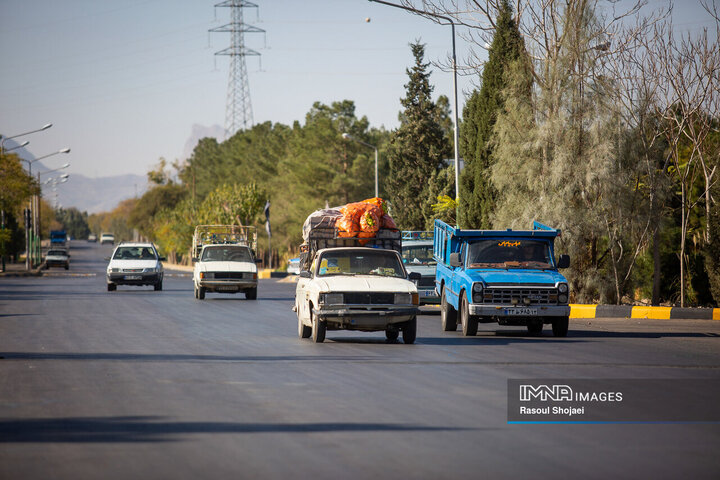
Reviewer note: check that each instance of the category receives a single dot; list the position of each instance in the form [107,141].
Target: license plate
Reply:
[520,311]
[427,293]
[133,277]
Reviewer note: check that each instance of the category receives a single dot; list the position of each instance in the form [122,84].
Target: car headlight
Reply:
[331,299]
[113,270]
[149,270]
[562,288]
[477,292]
[403,298]
[562,298]
[208,275]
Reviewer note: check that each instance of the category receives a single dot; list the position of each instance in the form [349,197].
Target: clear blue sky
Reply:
[124,82]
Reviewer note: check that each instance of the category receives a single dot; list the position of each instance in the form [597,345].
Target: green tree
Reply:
[477,194]
[156,199]
[418,148]
[73,221]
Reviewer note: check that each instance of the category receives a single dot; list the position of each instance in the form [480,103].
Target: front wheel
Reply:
[111,287]
[560,326]
[303,330]
[469,323]
[158,286]
[201,293]
[448,315]
[409,331]
[319,327]
[392,335]
[251,293]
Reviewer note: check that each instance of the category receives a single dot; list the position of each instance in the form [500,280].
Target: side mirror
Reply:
[258,261]
[194,259]
[455,260]
[162,259]
[563,261]
[414,277]
[305,274]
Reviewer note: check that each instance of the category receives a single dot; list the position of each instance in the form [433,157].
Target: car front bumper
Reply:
[512,311]
[56,263]
[135,278]
[228,286]
[365,318]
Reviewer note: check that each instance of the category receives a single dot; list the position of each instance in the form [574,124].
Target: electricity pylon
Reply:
[238,109]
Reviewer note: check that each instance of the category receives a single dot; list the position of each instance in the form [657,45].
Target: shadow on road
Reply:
[139,357]
[153,429]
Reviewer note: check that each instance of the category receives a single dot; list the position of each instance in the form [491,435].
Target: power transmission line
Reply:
[238,108]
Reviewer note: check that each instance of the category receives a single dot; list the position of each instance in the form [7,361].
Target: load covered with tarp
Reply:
[354,220]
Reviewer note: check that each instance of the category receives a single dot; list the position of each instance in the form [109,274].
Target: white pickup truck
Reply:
[345,286]
[224,260]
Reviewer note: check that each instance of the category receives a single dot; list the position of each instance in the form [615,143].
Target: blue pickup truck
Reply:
[506,276]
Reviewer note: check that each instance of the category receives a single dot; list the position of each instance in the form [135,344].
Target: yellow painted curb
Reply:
[264,273]
[582,311]
[716,313]
[655,313]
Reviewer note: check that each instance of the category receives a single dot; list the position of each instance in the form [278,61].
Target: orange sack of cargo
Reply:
[369,220]
[378,202]
[388,222]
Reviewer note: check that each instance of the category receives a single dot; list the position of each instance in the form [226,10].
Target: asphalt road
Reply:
[143,384]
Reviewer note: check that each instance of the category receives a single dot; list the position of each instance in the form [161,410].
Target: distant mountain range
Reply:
[94,195]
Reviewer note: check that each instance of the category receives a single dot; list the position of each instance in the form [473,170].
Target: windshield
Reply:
[513,253]
[418,254]
[364,262]
[56,252]
[226,253]
[134,253]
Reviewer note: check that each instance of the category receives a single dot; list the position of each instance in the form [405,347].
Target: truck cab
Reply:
[224,260]
[506,276]
[417,255]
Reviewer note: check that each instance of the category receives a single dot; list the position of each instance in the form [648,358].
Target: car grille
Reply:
[427,282]
[357,298]
[232,275]
[132,270]
[504,296]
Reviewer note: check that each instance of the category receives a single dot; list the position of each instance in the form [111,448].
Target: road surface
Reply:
[143,384]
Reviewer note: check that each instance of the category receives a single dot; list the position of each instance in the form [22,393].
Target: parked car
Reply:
[135,264]
[57,258]
[107,238]
[92,238]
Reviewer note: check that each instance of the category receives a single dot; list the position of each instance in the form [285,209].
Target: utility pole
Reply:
[238,109]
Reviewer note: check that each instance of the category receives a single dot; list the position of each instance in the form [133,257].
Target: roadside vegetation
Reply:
[605,126]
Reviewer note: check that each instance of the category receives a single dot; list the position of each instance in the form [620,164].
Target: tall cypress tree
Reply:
[417,148]
[477,195]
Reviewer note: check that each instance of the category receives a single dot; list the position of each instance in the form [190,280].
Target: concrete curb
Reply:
[37,272]
[654,313]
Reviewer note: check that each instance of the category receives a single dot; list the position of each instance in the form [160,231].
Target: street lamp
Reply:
[455,94]
[25,143]
[61,179]
[2,144]
[30,162]
[347,136]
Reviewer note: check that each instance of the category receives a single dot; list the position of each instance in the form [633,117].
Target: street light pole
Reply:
[347,136]
[455,95]
[35,205]
[2,144]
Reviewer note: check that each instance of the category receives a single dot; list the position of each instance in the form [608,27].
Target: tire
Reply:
[303,330]
[67,266]
[111,287]
[468,322]
[201,293]
[251,293]
[535,327]
[158,286]
[409,331]
[319,327]
[391,335]
[448,315]
[195,291]
[560,326]
[47,267]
